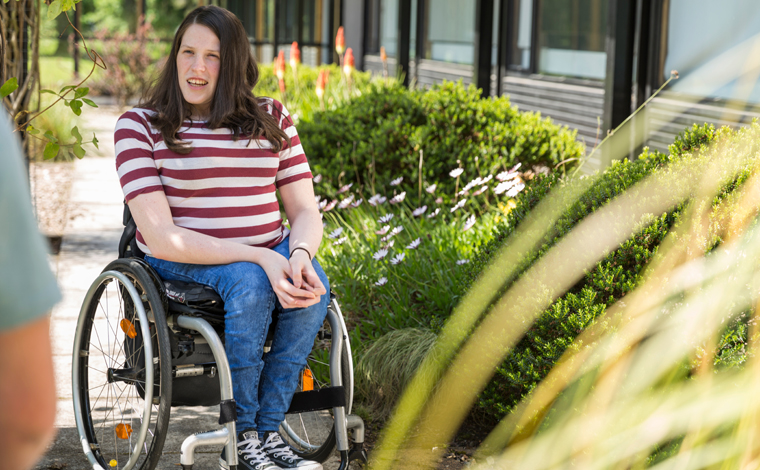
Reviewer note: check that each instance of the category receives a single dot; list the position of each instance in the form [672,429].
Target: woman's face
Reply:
[198,61]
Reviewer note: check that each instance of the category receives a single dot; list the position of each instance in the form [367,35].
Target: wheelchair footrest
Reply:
[315,400]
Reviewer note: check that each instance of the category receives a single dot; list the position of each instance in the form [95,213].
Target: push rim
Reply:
[116,376]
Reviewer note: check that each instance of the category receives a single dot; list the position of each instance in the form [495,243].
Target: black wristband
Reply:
[300,248]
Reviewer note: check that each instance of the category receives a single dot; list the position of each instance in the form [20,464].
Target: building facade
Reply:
[587,64]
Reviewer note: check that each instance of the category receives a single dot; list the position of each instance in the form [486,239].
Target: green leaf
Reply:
[8,87]
[79,151]
[31,130]
[51,150]
[67,87]
[95,141]
[81,92]
[75,133]
[67,103]
[89,102]
[76,106]
[54,9]
[67,5]
[49,136]
[48,91]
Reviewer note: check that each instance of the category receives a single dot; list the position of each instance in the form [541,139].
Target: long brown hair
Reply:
[234,105]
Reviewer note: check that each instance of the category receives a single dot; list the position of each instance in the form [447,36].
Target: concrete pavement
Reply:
[90,242]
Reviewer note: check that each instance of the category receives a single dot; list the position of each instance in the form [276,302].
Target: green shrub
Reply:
[379,135]
[616,275]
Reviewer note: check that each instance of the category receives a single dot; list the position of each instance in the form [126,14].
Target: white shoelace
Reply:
[275,442]
[253,451]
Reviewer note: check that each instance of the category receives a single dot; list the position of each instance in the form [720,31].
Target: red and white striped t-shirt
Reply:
[223,188]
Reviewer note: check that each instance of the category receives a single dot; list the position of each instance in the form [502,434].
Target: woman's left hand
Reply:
[305,277]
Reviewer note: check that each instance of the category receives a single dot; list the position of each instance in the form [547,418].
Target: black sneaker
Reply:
[250,454]
[282,455]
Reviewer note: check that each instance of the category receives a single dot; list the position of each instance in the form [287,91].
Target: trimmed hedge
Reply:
[619,273]
[378,137]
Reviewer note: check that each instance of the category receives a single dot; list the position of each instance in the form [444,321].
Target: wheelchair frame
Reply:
[343,420]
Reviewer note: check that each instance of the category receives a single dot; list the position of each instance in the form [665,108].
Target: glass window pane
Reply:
[389,26]
[712,48]
[450,30]
[522,33]
[371,29]
[572,38]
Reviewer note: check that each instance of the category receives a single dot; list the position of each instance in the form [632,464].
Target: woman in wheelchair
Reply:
[199,162]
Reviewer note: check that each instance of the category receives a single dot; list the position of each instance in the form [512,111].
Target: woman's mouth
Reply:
[197,82]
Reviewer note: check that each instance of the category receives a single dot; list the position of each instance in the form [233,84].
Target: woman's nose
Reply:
[199,64]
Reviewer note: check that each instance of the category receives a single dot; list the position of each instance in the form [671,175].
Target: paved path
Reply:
[90,242]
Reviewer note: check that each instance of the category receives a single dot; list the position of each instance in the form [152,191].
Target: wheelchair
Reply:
[143,345]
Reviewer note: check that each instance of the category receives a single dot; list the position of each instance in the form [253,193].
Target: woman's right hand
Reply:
[278,270]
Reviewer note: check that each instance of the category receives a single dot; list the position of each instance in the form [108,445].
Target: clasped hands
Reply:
[305,289]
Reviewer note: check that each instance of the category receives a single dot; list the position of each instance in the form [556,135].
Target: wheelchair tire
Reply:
[312,434]
[121,419]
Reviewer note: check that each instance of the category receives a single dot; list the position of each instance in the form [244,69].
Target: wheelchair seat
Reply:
[123,390]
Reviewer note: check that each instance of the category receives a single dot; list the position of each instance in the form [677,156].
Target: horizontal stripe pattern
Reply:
[222,188]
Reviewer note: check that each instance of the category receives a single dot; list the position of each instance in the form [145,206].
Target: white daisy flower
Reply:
[487,179]
[345,188]
[357,203]
[419,211]
[335,233]
[469,223]
[397,181]
[456,173]
[397,230]
[431,188]
[507,175]
[434,213]
[513,192]
[389,245]
[383,230]
[462,261]
[346,202]
[317,179]
[506,185]
[398,198]
[317,198]
[398,258]
[322,204]
[381,281]
[439,200]
[414,244]
[330,206]
[459,205]
[386,218]
[340,241]
[376,200]
[381,253]
[516,167]
[480,191]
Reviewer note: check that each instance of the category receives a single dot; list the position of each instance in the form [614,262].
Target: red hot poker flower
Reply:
[340,41]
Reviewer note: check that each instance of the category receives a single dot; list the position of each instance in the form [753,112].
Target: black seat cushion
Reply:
[194,296]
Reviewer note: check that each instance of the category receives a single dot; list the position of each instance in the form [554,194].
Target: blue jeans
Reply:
[263,386]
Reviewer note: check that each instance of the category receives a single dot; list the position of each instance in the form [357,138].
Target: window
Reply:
[710,47]
[571,38]
[450,34]
[522,32]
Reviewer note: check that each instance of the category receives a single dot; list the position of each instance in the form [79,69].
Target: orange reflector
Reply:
[307,381]
[128,328]
[123,431]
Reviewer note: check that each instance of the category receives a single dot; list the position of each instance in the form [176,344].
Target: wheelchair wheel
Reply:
[312,434]
[121,373]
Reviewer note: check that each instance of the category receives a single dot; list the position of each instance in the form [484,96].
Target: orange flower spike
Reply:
[340,41]
[383,55]
[295,55]
[348,62]
[321,84]
[279,65]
